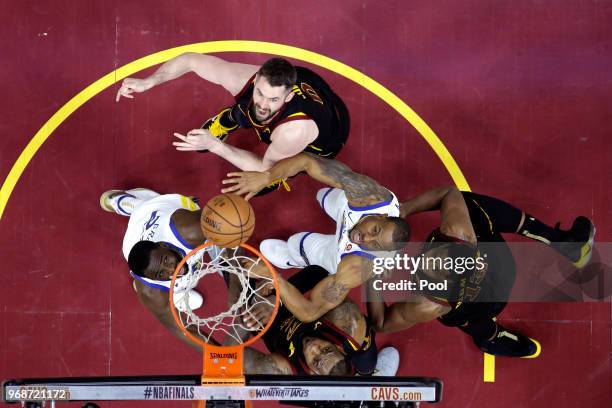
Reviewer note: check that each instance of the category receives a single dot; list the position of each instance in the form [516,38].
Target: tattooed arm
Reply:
[348,317]
[353,270]
[256,362]
[360,190]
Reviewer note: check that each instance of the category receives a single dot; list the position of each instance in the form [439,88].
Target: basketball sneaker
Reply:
[277,252]
[387,362]
[510,344]
[220,125]
[122,201]
[578,247]
[106,197]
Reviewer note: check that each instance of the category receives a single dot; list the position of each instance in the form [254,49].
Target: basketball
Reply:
[227,220]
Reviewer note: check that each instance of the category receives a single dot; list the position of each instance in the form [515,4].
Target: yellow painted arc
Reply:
[228,46]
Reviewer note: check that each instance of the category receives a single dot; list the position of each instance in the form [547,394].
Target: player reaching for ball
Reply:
[162,229]
[342,342]
[292,109]
[367,220]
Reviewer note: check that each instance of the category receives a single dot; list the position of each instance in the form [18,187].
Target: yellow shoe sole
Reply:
[538,349]
[104,200]
[586,252]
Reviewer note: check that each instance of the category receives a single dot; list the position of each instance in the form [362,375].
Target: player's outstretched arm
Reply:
[231,76]
[256,362]
[288,140]
[157,302]
[327,294]
[402,315]
[360,190]
[202,139]
[454,214]
[428,201]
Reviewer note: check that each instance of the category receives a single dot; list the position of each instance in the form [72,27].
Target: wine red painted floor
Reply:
[519,93]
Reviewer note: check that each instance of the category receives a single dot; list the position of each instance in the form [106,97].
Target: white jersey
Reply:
[151,221]
[311,248]
[351,216]
[318,249]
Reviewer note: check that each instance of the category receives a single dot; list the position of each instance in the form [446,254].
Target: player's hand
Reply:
[196,139]
[131,85]
[265,288]
[255,269]
[258,315]
[260,311]
[405,209]
[247,183]
[260,270]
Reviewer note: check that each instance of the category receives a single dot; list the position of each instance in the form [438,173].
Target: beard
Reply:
[261,114]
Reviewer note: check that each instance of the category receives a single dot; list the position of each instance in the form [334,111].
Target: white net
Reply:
[248,294]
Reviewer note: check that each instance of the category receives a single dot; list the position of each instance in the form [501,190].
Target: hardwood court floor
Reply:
[518,92]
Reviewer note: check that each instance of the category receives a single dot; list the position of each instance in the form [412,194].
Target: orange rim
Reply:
[175,313]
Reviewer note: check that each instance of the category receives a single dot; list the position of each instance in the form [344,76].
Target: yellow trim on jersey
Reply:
[315,147]
[188,204]
[184,203]
[296,89]
[367,341]
[296,114]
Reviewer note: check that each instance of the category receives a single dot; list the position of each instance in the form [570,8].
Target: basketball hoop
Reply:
[223,365]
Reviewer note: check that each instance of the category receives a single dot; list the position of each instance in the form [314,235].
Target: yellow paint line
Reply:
[228,46]
[489,368]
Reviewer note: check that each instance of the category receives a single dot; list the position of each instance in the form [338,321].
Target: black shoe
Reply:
[510,344]
[579,246]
